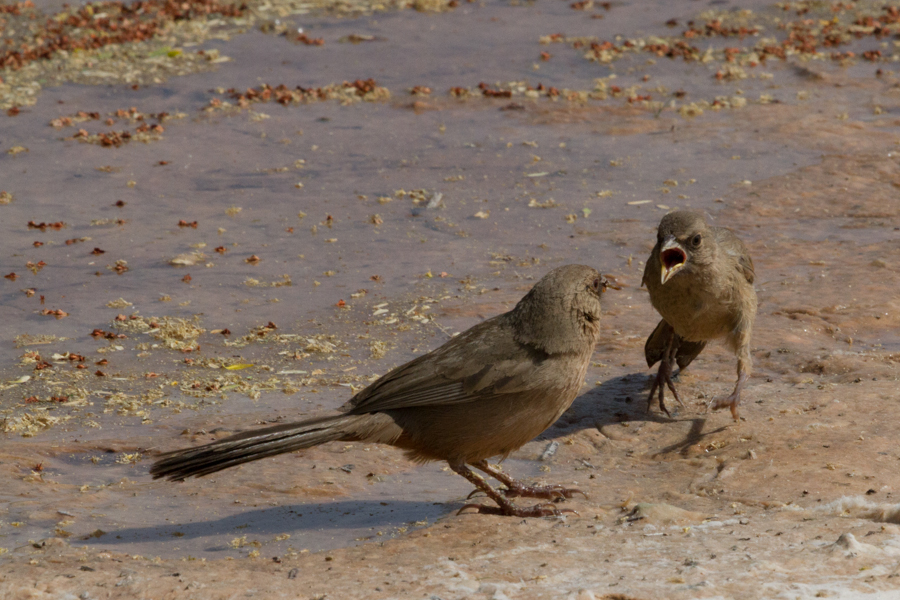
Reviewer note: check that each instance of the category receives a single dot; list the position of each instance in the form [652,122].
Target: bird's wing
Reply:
[483,361]
[687,352]
[655,347]
[735,248]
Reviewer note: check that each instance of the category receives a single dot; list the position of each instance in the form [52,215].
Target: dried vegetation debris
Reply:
[94,26]
[378,349]
[188,259]
[145,131]
[142,41]
[604,89]
[104,43]
[27,339]
[120,303]
[802,31]
[137,395]
[31,423]
[804,37]
[346,93]
[220,385]
[139,40]
[261,333]
[524,89]
[175,333]
[285,281]
[62,379]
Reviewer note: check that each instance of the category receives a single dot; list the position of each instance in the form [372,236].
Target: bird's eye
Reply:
[696,240]
[595,285]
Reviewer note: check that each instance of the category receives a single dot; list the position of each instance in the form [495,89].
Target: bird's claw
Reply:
[474,492]
[660,383]
[731,401]
[550,492]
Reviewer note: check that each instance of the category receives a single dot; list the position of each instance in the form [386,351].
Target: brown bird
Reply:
[700,279]
[484,393]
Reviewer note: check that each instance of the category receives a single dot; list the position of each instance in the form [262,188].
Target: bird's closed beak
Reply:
[672,257]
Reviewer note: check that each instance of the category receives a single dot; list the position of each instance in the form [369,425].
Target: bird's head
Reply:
[684,240]
[561,313]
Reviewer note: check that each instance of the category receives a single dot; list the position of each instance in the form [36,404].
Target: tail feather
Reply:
[655,347]
[249,446]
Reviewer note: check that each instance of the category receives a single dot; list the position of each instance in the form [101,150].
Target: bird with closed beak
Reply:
[483,394]
[700,280]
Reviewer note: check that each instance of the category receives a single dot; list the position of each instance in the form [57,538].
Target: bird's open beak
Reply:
[672,257]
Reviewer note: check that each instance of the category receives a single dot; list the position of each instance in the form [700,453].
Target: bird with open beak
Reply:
[700,280]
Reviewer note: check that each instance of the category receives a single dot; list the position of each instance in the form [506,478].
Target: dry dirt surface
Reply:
[215,216]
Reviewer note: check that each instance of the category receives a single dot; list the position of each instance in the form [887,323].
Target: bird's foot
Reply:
[520,490]
[508,509]
[662,381]
[513,488]
[731,401]
[550,492]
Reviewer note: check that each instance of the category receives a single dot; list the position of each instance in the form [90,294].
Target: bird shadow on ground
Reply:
[624,399]
[363,518]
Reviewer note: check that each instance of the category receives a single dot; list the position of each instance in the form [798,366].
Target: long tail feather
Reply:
[249,446]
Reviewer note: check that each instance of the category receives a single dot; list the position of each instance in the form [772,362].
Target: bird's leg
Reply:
[504,506]
[515,488]
[664,376]
[734,399]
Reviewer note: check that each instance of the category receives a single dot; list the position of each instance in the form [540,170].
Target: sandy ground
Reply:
[254,262]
